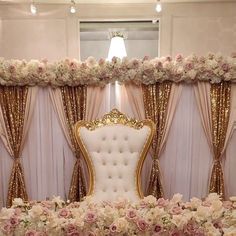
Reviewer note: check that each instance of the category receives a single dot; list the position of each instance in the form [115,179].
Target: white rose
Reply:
[192,74]
[177,198]
[203,212]
[216,205]
[233,198]
[122,224]
[57,200]
[6,213]
[150,200]
[36,211]
[195,202]
[18,202]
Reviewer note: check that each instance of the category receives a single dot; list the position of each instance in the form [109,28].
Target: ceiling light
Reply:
[72,7]
[158,7]
[33,8]
[117,46]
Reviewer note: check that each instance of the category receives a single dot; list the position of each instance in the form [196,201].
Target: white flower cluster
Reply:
[149,216]
[212,68]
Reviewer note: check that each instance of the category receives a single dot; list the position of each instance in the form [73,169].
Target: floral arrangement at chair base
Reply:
[148,216]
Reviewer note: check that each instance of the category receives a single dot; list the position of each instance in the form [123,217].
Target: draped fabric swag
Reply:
[214,103]
[16,107]
[220,110]
[156,98]
[70,104]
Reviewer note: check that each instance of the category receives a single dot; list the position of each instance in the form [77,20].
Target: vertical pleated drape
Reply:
[16,107]
[74,106]
[220,110]
[156,98]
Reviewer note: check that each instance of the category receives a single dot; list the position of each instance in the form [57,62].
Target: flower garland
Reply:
[212,68]
[145,217]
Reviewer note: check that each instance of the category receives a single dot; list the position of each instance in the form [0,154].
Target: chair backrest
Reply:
[114,149]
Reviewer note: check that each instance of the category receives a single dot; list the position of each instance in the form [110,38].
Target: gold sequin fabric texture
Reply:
[156,97]
[74,105]
[220,109]
[13,103]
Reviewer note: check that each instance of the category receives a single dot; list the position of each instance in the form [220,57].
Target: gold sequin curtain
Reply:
[74,104]
[13,103]
[220,110]
[156,97]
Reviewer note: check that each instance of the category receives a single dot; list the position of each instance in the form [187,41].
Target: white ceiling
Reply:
[107,1]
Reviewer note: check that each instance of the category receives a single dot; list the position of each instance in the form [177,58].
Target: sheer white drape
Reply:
[186,161]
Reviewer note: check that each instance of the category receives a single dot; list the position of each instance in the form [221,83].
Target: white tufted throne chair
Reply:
[114,149]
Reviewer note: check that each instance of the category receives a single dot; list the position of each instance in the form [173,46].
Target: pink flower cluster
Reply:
[213,68]
[148,216]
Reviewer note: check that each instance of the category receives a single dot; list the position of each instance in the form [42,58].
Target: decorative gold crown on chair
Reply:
[114,117]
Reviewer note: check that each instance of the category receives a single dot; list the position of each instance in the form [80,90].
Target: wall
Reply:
[198,28]
[54,33]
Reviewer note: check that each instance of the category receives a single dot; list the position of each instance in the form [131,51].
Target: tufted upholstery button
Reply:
[104,190]
[98,151]
[104,138]
[120,176]
[114,138]
[114,163]
[109,151]
[104,163]
[115,190]
[126,138]
[121,150]
[126,163]
[110,177]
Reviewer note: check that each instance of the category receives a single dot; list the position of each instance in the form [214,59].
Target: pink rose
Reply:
[146,58]
[191,227]
[189,66]
[142,225]
[217,224]
[70,228]
[114,60]
[135,63]
[101,62]
[113,228]
[168,58]
[157,228]
[12,69]
[83,66]
[7,228]
[158,65]
[90,217]
[176,210]
[30,233]
[225,67]
[179,58]
[65,213]
[161,202]
[131,214]
[14,221]
[40,69]
[17,211]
